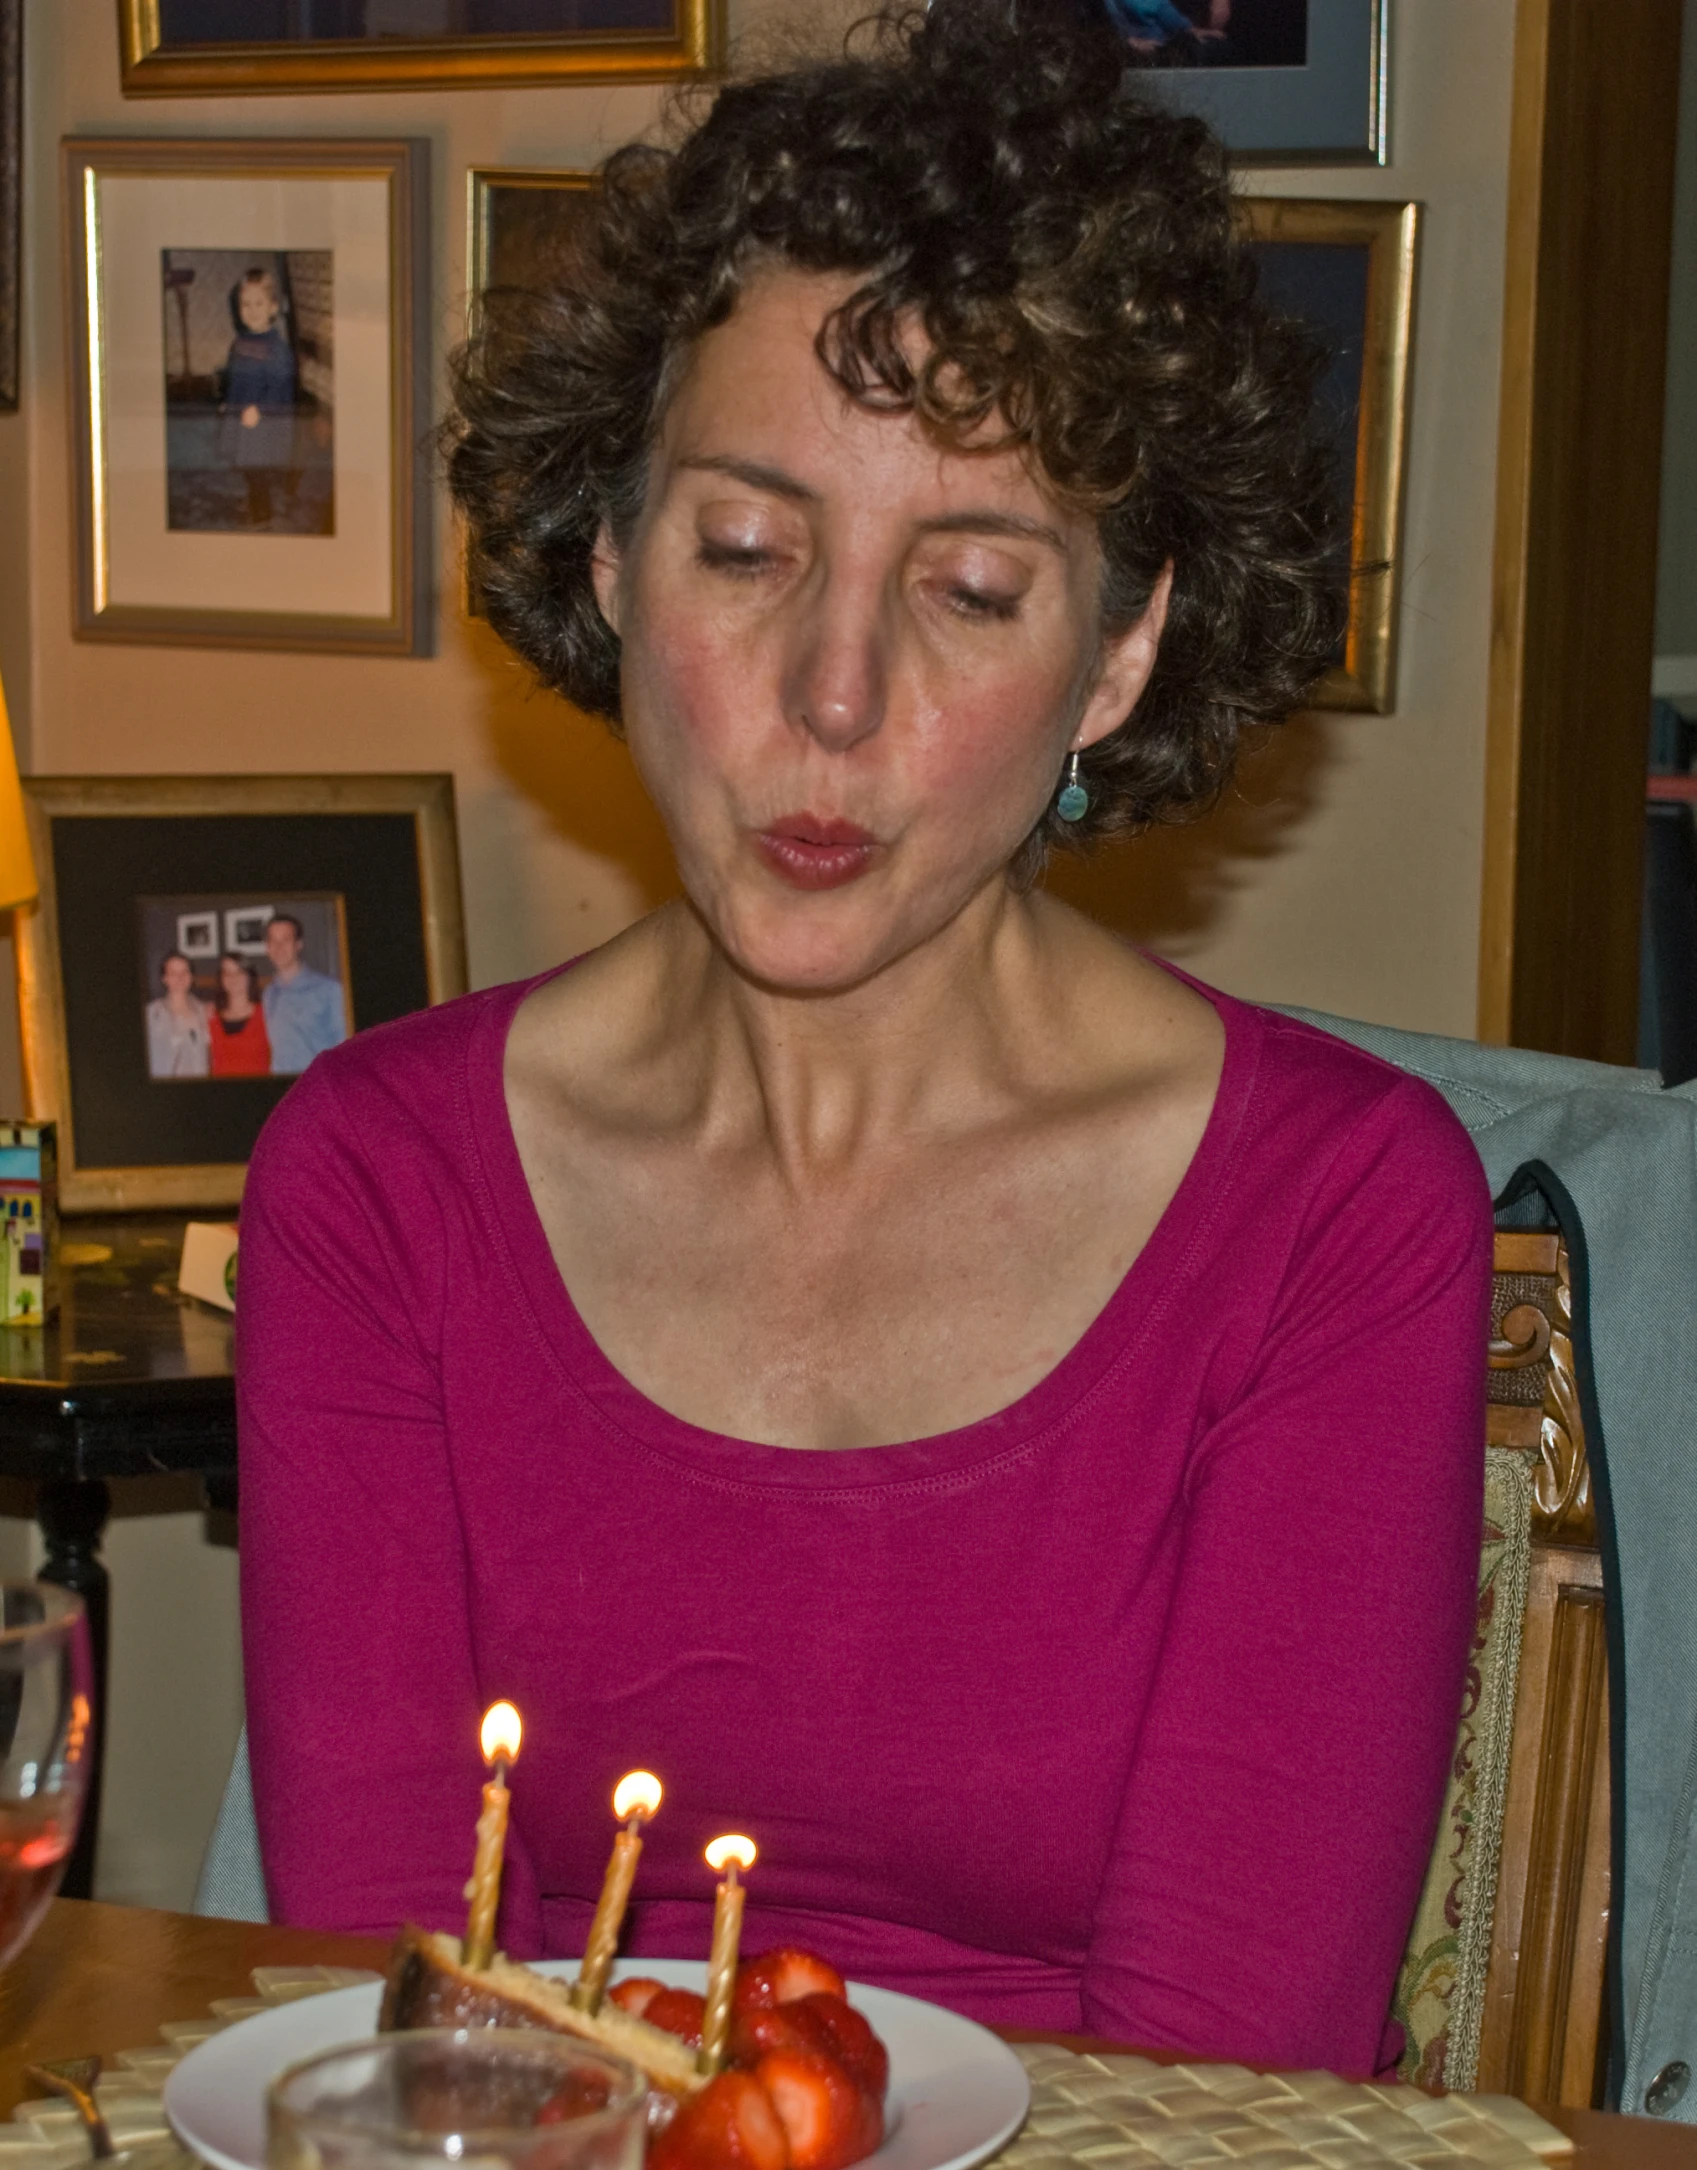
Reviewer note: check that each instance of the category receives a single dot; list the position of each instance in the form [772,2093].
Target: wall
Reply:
[1343,873]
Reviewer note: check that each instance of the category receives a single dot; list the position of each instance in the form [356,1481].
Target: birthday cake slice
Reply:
[772,2069]
[429,1985]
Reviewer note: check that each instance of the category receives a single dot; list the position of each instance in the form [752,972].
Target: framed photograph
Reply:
[1284,82]
[1348,268]
[216,48]
[519,224]
[11,197]
[250,404]
[199,941]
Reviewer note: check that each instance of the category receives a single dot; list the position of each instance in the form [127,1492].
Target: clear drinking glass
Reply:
[46,1740]
[496,2096]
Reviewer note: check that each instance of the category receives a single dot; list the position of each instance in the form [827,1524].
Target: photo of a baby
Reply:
[249,407]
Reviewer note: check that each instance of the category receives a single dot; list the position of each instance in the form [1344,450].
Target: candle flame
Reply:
[732,1847]
[638,1793]
[503,1729]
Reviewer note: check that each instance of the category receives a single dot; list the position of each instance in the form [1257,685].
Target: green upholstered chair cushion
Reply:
[1440,1993]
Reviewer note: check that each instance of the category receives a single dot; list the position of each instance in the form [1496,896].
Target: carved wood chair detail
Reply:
[1542,2030]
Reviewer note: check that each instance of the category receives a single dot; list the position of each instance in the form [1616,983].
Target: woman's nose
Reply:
[836,680]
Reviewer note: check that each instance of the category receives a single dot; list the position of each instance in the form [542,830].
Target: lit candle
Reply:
[500,1742]
[729,1853]
[636,1798]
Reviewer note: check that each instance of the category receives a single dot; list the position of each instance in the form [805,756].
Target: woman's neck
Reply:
[938,1037]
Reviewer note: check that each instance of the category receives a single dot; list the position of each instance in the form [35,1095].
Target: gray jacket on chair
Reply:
[1616,1150]
[1613,1149]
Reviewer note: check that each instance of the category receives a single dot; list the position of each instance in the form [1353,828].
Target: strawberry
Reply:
[827,2119]
[580,2097]
[848,2036]
[732,2124]
[779,1977]
[636,1995]
[680,2012]
[777,2026]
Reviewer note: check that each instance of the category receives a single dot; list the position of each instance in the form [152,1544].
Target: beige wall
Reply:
[1344,873]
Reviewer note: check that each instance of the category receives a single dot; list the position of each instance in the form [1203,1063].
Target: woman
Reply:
[240,1047]
[177,1036]
[864,1343]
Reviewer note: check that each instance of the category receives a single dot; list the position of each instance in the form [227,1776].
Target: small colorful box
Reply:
[29,1223]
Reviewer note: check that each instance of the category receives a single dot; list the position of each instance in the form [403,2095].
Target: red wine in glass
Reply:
[46,1717]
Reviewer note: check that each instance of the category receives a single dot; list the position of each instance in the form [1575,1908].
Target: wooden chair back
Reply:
[1542,2033]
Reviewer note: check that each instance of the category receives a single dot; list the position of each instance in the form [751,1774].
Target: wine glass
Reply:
[46,1741]
[435,2100]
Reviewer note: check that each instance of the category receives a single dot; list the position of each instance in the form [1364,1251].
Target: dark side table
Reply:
[130,1379]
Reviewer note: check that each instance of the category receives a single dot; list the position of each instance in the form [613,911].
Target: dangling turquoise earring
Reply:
[1074,801]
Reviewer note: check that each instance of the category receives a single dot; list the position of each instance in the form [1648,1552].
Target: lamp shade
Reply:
[17,863]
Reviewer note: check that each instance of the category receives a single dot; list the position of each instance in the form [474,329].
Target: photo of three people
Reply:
[242,988]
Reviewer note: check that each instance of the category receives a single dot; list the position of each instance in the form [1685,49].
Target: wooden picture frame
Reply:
[175,544]
[686,37]
[503,244]
[511,241]
[139,870]
[1350,268]
[11,199]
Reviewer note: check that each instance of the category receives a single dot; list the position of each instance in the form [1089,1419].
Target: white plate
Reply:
[956,2092]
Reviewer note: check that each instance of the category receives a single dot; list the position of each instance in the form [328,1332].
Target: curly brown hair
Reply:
[1071,252]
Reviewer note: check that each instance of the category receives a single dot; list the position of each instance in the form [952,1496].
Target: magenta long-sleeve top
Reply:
[1127,1709]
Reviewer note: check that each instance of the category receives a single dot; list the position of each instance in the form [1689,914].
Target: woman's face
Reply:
[177,977]
[234,977]
[853,664]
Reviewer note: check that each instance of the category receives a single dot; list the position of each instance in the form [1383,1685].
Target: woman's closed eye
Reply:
[746,541]
[975,581]
[986,603]
[744,559]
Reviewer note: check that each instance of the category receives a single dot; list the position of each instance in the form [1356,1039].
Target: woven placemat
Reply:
[1087,2112]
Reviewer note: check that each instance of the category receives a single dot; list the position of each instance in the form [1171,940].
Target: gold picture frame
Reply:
[1372,250]
[377,854]
[505,246]
[153,563]
[11,197]
[151,68]
[506,257]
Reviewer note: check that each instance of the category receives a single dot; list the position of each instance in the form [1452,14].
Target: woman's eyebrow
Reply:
[973,521]
[986,522]
[756,476]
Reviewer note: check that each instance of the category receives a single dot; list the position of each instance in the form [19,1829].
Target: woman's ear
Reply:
[1124,668]
[605,561]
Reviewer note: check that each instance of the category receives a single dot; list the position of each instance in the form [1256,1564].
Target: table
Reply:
[130,1380]
[106,1977]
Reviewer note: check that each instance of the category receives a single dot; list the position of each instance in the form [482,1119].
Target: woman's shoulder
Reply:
[394,1093]
[1346,1115]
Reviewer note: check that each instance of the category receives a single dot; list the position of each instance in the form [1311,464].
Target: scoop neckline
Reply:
[627,1416]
